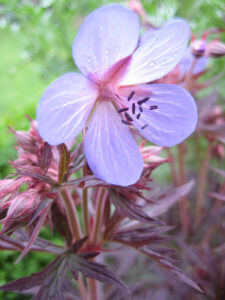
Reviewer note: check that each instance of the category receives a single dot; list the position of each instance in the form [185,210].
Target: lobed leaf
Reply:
[127,207]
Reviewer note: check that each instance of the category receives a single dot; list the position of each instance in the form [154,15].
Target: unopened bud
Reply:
[215,49]
[198,48]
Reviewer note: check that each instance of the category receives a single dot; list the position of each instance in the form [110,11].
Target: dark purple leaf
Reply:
[168,265]
[79,244]
[7,243]
[49,280]
[94,270]
[43,213]
[89,255]
[217,196]
[142,236]
[218,171]
[78,158]
[85,182]
[60,222]
[168,199]
[36,176]
[127,207]
[40,245]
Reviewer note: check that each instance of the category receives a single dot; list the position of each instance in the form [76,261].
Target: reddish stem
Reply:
[202,184]
[183,209]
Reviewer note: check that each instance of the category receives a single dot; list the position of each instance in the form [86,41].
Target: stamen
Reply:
[122,109]
[153,107]
[140,102]
[140,108]
[143,127]
[125,122]
[128,117]
[130,95]
[133,108]
[138,116]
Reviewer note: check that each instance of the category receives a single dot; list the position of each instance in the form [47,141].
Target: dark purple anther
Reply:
[128,117]
[133,108]
[125,122]
[130,95]
[140,108]
[138,116]
[143,127]
[153,107]
[123,109]
[140,102]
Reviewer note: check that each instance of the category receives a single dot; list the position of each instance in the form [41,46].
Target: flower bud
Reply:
[215,49]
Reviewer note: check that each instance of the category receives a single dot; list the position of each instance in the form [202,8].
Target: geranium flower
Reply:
[110,96]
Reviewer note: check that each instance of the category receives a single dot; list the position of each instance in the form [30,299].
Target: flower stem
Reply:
[72,216]
[172,169]
[202,184]
[82,288]
[183,210]
[101,197]
[93,288]
[85,207]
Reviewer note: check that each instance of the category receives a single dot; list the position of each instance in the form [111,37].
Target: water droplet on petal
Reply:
[83,69]
[152,63]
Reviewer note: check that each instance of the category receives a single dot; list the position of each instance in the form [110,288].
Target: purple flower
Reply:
[111,95]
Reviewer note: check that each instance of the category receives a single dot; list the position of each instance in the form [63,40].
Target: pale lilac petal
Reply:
[158,54]
[110,149]
[109,34]
[172,120]
[64,108]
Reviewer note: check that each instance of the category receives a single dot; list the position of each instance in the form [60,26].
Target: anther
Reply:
[138,116]
[133,108]
[125,122]
[140,108]
[143,127]
[128,117]
[123,109]
[153,107]
[130,95]
[140,102]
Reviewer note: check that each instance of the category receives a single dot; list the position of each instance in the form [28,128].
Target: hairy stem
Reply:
[183,210]
[93,288]
[172,168]
[72,216]
[82,288]
[85,207]
[202,184]
[101,197]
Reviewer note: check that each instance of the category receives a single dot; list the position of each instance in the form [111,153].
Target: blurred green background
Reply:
[35,48]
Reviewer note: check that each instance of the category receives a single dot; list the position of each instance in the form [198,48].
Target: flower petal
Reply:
[110,149]
[64,108]
[168,117]
[109,34]
[158,54]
